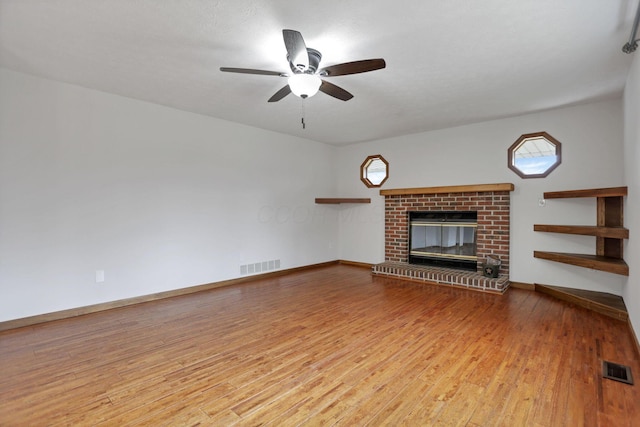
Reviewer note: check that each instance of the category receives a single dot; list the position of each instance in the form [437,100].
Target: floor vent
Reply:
[259,267]
[616,372]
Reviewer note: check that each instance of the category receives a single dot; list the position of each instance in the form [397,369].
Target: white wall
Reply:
[158,198]
[592,153]
[632,177]
[162,199]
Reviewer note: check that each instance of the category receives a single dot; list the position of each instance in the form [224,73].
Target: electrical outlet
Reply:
[99,276]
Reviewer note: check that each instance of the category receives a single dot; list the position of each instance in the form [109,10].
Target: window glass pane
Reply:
[376,171]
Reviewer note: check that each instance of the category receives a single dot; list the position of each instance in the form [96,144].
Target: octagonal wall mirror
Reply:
[534,155]
[374,171]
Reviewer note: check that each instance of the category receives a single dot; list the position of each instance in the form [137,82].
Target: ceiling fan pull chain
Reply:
[304,126]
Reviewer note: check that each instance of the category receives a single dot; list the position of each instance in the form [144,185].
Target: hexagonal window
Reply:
[374,171]
[534,155]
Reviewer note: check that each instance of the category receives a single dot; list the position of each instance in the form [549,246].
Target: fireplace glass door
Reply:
[443,238]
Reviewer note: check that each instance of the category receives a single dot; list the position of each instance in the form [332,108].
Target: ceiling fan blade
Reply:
[354,67]
[335,91]
[296,49]
[280,94]
[252,71]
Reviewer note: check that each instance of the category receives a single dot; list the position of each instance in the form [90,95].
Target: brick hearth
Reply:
[491,201]
[442,276]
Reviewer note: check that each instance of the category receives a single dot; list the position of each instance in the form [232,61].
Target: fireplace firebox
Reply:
[443,238]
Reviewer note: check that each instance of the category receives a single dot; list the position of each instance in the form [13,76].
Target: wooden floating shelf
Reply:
[596,262]
[337,201]
[449,189]
[596,192]
[585,230]
[609,231]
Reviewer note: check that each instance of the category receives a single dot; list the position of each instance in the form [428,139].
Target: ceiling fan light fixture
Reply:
[304,85]
[305,77]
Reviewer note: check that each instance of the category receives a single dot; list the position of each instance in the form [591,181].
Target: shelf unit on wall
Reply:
[609,231]
[340,200]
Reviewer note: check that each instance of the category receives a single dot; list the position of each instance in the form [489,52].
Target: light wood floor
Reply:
[327,346]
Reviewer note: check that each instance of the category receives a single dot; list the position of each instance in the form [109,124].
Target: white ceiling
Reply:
[448,62]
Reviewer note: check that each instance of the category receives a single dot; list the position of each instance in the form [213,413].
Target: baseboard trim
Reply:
[522,285]
[634,337]
[356,264]
[74,312]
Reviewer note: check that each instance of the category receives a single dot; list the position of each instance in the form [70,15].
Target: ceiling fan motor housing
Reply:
[314,62]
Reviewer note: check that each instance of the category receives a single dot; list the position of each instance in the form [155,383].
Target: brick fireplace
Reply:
[492,204]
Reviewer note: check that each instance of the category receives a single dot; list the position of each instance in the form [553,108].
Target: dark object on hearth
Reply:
[491,268]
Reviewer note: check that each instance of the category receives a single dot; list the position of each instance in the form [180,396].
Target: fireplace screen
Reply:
[443,238]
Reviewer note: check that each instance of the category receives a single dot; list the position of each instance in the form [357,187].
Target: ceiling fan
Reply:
[305,77]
